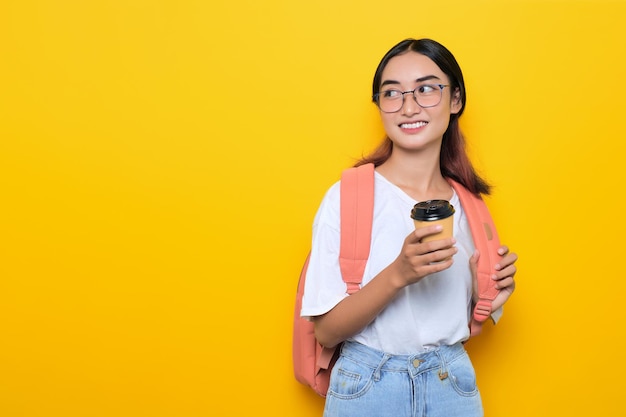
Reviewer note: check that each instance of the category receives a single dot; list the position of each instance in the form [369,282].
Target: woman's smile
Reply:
[413,127]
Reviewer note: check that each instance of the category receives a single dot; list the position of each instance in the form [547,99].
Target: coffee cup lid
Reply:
[431,210]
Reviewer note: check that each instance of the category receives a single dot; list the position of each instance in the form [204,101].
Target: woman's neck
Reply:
[418,175]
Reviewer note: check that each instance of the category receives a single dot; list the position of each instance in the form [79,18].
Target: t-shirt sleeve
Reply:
[324,287]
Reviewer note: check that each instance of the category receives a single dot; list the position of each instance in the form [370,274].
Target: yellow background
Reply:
[161,163]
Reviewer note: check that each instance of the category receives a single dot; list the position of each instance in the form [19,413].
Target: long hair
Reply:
[454,162]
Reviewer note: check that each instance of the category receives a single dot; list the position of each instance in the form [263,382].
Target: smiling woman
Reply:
[161,163]
[410,318]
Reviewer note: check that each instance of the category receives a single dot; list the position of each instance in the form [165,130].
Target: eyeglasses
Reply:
[425,95]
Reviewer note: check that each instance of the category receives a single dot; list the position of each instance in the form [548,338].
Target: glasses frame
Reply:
[376,97]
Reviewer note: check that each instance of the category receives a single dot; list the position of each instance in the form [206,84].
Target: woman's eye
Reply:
[426,89]
[391,94]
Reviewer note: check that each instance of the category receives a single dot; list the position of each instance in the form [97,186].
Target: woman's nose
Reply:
[409,104]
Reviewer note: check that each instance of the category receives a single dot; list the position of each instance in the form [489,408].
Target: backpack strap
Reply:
[357,213]
[487,242]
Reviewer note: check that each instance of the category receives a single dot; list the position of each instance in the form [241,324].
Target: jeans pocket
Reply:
[349,379]
[463,376]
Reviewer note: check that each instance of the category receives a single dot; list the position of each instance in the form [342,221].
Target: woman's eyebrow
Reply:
[389,82]
[419,80]
[428,77]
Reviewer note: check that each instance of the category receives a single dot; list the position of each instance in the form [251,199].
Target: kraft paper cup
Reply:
[434,212]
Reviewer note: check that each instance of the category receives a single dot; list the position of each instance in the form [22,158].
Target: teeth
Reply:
[412,125]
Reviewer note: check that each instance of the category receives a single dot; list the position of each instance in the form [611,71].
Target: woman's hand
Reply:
[504,276]
[418,259]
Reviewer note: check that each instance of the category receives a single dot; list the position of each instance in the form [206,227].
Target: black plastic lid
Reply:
[431,210]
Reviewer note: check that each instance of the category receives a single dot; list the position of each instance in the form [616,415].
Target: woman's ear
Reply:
[455,104]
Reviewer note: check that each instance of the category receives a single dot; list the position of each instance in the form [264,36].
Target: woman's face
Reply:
[413,127]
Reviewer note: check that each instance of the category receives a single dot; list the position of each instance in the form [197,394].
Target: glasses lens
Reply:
[390,101]
[428,95]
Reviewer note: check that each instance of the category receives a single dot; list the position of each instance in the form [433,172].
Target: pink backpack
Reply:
[311,361]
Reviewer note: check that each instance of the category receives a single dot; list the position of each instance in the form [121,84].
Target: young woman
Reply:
[404,329]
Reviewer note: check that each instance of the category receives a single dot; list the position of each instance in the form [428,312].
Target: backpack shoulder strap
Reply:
[487,242]
[357,213]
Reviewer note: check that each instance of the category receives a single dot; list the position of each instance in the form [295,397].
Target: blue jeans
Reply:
[368,383]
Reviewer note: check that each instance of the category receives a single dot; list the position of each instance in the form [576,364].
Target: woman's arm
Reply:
[415,261]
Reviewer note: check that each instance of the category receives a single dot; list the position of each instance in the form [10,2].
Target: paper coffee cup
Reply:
[433,212]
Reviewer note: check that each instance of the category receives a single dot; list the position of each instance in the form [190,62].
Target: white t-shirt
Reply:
[433,312]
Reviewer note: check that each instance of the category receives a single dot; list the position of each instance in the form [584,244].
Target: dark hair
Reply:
[454,162]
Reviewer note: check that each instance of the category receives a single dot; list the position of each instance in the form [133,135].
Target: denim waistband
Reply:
[414,363]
